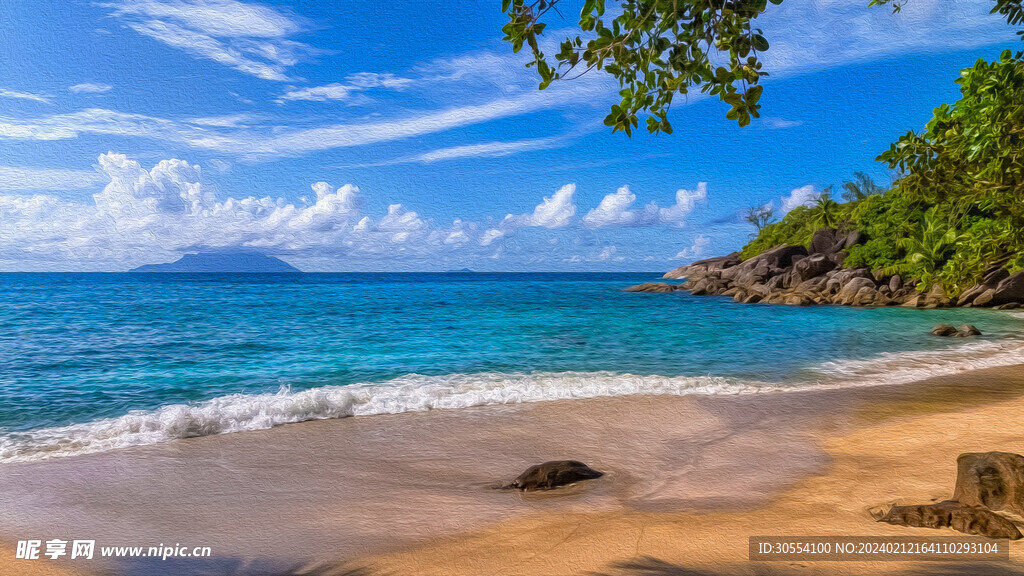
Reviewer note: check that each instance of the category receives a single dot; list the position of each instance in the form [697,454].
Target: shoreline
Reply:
[414,489]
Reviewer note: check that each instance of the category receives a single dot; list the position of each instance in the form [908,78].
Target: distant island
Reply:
[238,262]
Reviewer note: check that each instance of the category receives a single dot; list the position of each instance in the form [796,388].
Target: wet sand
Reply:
[689,479]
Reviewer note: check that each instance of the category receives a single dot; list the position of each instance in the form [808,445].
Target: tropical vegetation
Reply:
[958,204]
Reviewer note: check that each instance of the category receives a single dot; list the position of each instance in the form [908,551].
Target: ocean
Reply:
[95,362]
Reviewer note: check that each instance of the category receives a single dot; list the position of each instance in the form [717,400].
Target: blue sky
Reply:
[382,136]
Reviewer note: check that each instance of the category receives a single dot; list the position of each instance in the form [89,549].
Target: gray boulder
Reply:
[1010,289]
[944,330]
[849,291]
[553,474]
[968,330]
[812,266]
[825,241]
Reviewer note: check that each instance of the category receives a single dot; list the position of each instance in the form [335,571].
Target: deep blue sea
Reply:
[91,362]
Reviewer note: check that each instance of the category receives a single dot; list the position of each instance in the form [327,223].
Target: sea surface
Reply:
[93,362]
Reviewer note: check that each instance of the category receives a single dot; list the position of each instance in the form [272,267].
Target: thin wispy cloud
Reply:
[90,88]
[19,178]
[252,38]
[24,96]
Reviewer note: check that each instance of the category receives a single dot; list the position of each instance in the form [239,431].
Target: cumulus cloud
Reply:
[555,211]
[697,249]
[615,209]
[251,38]
[90,88]
[141,215]
[803,196]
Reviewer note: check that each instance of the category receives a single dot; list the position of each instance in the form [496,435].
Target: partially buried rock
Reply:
[944,330]
[994,480]
[955,515]
[553,474]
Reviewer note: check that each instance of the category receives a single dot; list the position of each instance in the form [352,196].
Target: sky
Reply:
[370,136]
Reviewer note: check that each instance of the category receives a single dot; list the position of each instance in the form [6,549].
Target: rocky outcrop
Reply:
[956,515]
[552,475]
[653,287]
[798,276]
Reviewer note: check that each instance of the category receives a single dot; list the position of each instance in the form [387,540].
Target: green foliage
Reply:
[860,188]
[656,49]
[957,207]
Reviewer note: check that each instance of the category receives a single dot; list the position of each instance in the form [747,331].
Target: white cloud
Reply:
[697,249]
[353,84]
[803,196]
[555,211]
[614,210]
[23,178]
[251,38]
[815,35]
[772,123]
[90,88]
[23,96]
[153,215]
[686,201]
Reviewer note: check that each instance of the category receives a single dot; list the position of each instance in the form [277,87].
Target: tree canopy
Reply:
[657,49]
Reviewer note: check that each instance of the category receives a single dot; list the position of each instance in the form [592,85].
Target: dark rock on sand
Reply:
[991,479]
[945,330]
[956,515]
[553,474]
[652,287]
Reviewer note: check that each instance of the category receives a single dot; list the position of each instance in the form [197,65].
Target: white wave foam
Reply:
[239,412]
[913,366]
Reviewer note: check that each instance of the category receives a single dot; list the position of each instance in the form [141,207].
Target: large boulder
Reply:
[1010,289]
[956,515]
[553,474]
[994,480]
[945,330]
[652,287]
[703,267]
[781,256]
[812,266]
[850,291]
[825,241]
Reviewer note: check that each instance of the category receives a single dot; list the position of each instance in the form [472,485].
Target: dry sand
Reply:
[689,480]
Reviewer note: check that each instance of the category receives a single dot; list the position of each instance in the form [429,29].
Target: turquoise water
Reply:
[98,361]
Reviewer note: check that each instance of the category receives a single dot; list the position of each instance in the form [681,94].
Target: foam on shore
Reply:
[413,393]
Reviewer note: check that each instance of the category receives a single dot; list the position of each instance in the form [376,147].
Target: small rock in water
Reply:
[553,474]
[944,330]
[968,330]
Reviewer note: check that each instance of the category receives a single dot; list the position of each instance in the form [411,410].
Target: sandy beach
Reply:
[688,480]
